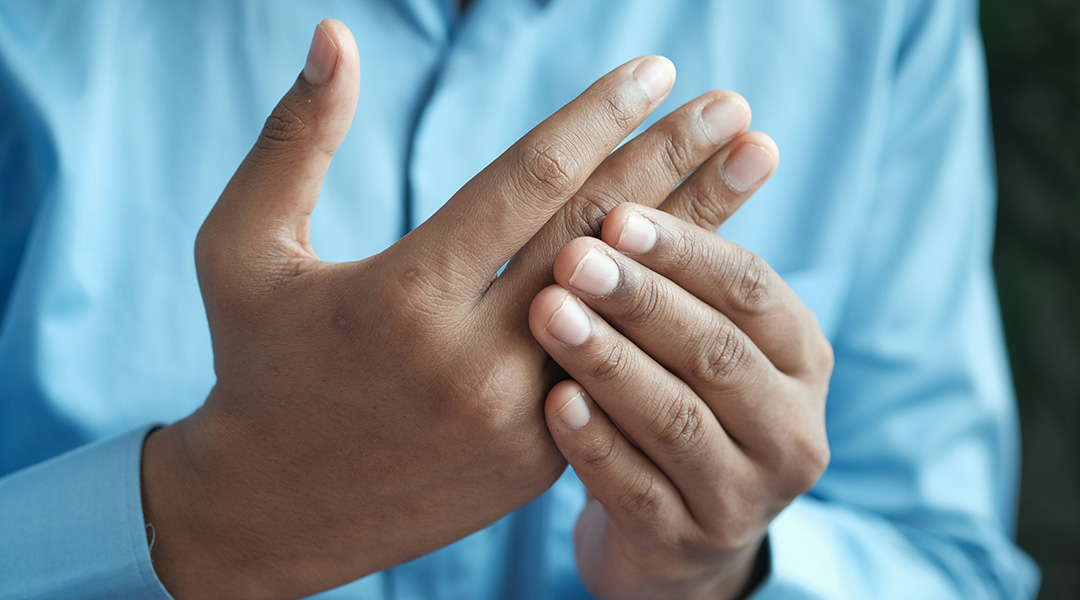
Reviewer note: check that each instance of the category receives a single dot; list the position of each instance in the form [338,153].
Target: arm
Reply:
[689,455]
[409,371]
[919,498]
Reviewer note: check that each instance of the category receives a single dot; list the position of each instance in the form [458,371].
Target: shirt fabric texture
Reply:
[121,122]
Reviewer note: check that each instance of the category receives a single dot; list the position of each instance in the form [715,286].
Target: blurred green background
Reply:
[1033,53]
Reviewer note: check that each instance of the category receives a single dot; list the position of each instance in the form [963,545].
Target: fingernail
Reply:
[748,165]
[321,59]
[575,413]
[595,274]
[724,118]
[638,235]
[656,75]
[569,324]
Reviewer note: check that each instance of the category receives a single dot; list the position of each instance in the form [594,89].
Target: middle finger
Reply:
[643,171]
[692,339]
[659,413]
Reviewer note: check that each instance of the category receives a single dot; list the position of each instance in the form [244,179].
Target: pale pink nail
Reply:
[595,274]
[747,166]
[575,413]
[656,75]
[321,59]
[570,325]
[638,235]
[724,118]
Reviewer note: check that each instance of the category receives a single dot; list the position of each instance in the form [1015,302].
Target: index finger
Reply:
[500,209]
[731,279]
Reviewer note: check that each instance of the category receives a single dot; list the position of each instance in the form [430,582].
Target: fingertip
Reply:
[558,317]
[543,307]
[569,257]
[332,24]
[762,139]
[567,407]
[656,76]
[724,116]
[615,220]
[346,52]
[668,65]
[322,58]
[752,161]
[630,229]
[338,33]
[739,98]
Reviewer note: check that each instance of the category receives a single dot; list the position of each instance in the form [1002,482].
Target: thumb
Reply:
[274,191]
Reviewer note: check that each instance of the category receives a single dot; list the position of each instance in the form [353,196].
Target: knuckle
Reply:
[613,366]
[207,246]
[600,457]
[705,209]
[642,302]
[644,495]
[586,213]
[680,425]
[283,126]
[722,541]
[737,536]
[818,456]
[719,357]
[809,459]
[678,156]
[683,252]
[618,109]
[490,396]
[548,167]
[737,522]
[751,290]
[827,354]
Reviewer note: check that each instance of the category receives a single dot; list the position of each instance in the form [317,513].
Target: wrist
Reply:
[172,511]
[231,521]
[742,573]
[758,569]
[200,548]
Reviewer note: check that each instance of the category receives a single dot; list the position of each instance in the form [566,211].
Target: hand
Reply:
[366,413]
[696,409]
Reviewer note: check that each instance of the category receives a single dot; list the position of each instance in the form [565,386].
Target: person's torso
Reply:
[122,122]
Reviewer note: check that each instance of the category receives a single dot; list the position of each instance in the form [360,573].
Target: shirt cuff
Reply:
[819,551]
[73,526]
[796,571]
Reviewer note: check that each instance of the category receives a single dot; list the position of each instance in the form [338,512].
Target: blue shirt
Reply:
[120,123]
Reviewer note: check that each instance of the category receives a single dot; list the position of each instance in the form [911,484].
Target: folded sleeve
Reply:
[919,500]
[72,527]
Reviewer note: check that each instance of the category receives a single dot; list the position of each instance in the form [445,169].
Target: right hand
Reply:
[366,413]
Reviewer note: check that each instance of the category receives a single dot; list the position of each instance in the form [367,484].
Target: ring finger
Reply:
[656,410]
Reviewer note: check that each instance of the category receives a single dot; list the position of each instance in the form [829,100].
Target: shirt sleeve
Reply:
[919,499]
[72,527]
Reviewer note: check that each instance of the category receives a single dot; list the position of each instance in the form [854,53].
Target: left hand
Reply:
[696,412]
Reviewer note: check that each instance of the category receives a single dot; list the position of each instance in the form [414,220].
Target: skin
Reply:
[367,413]
[704,382]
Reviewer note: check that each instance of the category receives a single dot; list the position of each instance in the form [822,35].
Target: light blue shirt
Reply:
[121,121]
